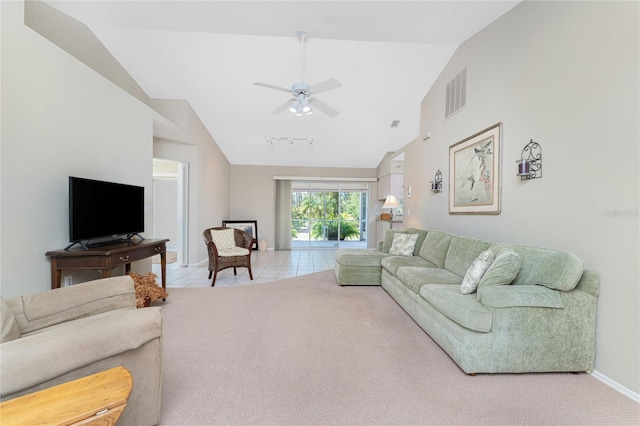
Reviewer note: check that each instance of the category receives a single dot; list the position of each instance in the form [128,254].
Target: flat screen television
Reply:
[104,210]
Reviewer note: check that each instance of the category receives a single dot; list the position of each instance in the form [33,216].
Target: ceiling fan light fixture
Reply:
[306,108]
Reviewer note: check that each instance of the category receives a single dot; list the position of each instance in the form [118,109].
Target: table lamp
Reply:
[391,203]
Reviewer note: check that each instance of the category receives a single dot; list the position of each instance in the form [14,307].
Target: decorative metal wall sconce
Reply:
[530,166]
[436,183]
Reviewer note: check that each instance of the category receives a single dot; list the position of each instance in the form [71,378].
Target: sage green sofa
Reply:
[64,334]
[534,315]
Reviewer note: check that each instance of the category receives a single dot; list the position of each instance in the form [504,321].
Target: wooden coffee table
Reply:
[98,399]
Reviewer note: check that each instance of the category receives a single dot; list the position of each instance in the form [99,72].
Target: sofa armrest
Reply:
[511,296]
[589,283]
[28,361]
[37,311]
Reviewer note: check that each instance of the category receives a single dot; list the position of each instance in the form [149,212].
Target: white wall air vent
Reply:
[456,94]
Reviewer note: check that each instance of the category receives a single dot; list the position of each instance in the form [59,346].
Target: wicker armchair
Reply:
[226,251]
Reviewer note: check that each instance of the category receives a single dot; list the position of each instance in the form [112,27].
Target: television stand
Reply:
[106,257]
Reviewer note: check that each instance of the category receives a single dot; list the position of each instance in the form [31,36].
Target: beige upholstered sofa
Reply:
[64,334]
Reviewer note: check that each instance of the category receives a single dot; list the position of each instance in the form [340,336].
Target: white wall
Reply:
[209,172]
[165,210]
[59,118]
[566,75]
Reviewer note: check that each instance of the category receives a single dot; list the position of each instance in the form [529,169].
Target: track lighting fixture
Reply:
[291,140]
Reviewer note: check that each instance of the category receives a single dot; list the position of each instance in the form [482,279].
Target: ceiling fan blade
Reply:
[323,107]
[282,107]
[324,86]
[271,86]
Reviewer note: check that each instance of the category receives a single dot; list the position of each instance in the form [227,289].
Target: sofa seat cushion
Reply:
[415,277]
[392,263]
[359,257]
[532,296]
[464,309]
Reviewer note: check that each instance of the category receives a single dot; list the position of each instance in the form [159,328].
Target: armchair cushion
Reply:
[9,329]
[223,238]
[233,251]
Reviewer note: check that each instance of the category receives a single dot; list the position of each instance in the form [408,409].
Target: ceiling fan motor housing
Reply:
[299,88]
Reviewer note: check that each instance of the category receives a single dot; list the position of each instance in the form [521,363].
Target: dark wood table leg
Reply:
[163,268]
[56,274]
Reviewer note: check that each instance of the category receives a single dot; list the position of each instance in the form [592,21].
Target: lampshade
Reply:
[391,202]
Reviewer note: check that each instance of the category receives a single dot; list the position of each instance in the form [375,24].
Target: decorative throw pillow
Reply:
[388,240]
[403,244]
[475,272]
[502,271]
[223,238]
[9,329]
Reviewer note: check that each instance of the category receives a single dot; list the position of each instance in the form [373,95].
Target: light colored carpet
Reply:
[307,351]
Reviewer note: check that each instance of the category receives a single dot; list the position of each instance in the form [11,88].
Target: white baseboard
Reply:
[617,386]
[203,262]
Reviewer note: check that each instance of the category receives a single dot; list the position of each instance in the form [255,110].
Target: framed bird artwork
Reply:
[474,173]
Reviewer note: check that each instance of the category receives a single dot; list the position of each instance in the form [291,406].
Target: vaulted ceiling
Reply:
[386,55]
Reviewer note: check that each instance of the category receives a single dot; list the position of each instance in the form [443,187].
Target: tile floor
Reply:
[270,265]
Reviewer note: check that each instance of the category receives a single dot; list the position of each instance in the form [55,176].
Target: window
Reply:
[329,214]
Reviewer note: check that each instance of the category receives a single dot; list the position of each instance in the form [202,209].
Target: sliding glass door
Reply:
[329,214]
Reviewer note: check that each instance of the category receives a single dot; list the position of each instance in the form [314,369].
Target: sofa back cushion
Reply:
[502,271]
[9,329]
[551,268]
[462,252]
[388,240]
[435,247]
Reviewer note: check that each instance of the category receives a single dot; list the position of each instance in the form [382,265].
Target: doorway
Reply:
[170,207]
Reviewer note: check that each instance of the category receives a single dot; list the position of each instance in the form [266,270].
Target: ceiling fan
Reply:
[302,92]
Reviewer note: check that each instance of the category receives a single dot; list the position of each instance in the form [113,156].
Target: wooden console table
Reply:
[98,399]
[106,257]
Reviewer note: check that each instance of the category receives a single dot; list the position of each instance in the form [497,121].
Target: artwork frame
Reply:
[475,173]
[248,226]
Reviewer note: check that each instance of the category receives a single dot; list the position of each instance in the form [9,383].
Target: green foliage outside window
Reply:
[328,211]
